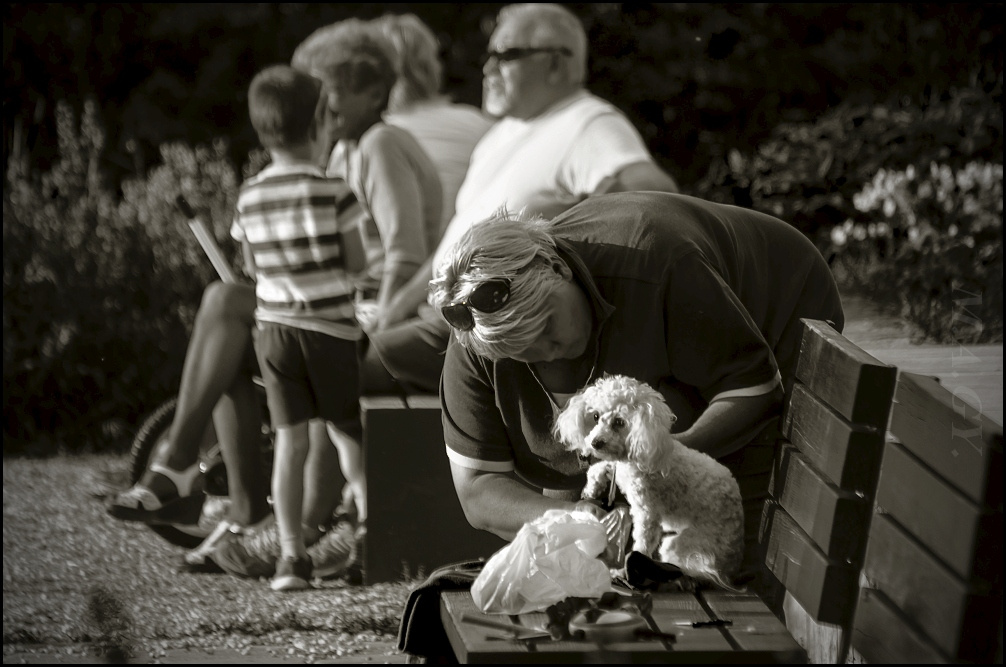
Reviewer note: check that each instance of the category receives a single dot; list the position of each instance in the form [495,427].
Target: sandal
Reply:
[140,503]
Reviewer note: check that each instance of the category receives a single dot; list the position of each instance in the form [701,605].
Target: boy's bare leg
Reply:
[323,481]
[288,487]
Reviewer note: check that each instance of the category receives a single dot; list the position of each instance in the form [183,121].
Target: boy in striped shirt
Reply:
[302,242]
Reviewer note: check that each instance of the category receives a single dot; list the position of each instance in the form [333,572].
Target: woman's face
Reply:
[350,114]
[568,328]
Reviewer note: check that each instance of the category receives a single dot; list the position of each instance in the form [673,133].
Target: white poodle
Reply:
[676,493]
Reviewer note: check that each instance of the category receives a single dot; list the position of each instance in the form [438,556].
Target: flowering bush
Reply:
[808,173]
[936,239]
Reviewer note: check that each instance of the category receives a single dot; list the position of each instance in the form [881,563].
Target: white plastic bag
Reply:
[550,559]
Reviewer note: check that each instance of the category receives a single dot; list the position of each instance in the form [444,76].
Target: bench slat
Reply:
[880,635]
[847,454]
[850,380]
[834,518]
[953,615]
[964,536]
[823,586]
[950,436]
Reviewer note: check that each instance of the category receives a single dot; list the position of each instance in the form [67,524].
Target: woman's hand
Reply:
[592,507]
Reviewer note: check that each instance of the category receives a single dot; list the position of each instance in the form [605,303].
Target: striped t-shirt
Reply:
[292,217]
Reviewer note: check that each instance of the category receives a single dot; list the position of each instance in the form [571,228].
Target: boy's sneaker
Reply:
[330,555]
[292,574]
[251,553]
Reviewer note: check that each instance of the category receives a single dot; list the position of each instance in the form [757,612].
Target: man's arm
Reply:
[500,504]
[639,176]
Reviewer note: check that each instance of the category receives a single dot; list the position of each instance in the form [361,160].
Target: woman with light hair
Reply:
[701,301]
[391,174]
[447,131]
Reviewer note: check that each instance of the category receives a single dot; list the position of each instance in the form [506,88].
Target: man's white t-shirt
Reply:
[555,159]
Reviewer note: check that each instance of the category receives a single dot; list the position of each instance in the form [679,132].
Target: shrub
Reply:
[905,202]
[100,288]
[808,173]
[935,249]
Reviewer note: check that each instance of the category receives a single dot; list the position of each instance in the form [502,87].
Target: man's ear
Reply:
[556,69]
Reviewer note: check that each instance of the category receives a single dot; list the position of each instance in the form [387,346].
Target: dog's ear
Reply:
[650,425]
[646,432]
[570,426]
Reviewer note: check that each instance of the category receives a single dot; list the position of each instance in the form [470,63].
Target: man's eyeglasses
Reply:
[488,297]
[517,52]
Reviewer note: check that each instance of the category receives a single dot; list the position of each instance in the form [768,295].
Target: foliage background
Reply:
[112,109]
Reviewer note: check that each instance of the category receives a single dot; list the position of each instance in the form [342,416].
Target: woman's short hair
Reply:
[351,54]
[282,105]
[552,25]
[505,245]
[420,72]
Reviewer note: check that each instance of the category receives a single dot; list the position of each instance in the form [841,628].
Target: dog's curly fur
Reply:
[671,488]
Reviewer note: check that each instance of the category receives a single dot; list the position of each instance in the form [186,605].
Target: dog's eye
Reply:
[618,422]
[596,416]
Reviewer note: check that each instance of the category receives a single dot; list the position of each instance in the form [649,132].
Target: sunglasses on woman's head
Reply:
[488,297]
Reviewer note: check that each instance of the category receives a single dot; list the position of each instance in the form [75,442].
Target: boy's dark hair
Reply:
[282,103]
[350,54]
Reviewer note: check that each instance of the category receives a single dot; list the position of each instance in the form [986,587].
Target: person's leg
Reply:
[323,481]
[288,499]
[238,423]
[253,552]
[406,358]
[351,463]
[220,339]
[214,360]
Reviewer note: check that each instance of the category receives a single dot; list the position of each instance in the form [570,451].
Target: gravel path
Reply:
[81,587]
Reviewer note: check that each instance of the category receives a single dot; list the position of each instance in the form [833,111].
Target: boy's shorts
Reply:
[309,374]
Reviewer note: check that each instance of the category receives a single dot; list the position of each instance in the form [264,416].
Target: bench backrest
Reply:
[931,585]
[814,525]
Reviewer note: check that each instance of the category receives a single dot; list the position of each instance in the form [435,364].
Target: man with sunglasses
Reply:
[702,301]
[554,145]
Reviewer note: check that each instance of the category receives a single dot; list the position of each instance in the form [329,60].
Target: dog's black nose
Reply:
[598,444]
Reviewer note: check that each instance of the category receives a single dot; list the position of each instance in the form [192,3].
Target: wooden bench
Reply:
[882,532]
[814,525]
[884,524]
[415,522]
